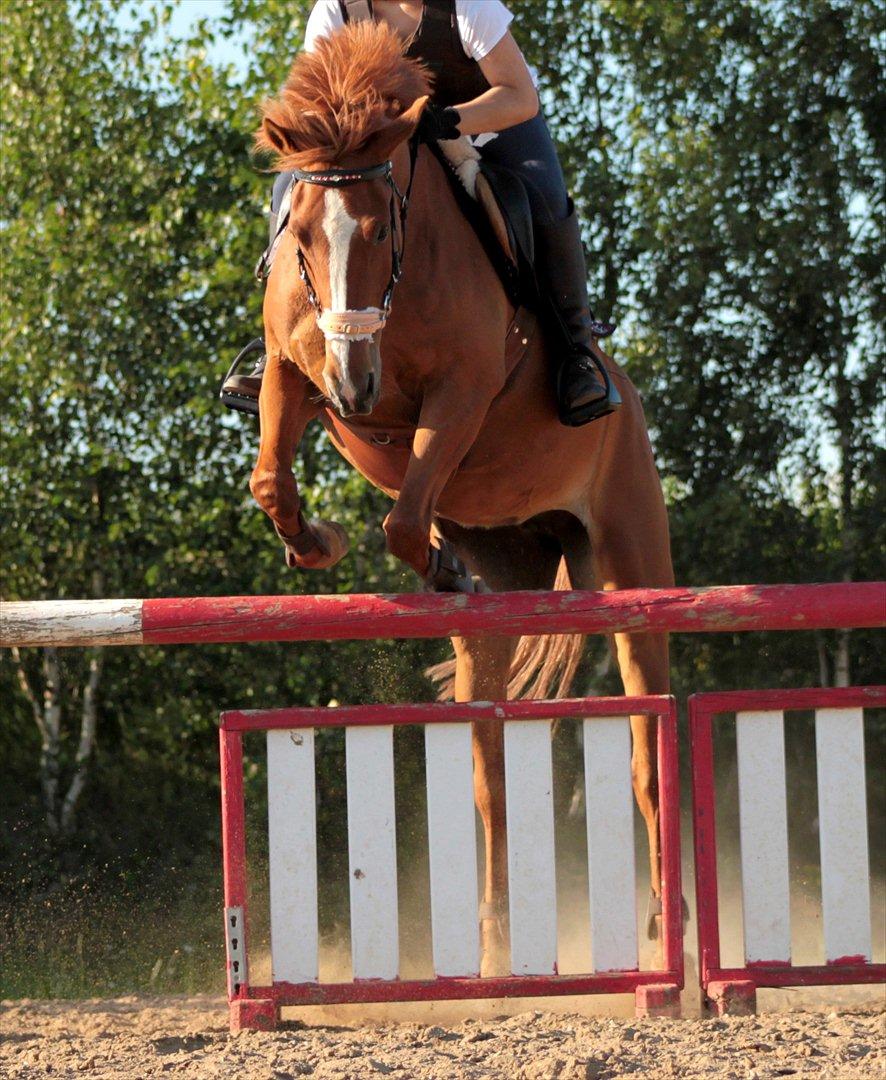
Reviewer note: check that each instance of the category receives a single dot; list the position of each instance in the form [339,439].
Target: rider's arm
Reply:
[511,97]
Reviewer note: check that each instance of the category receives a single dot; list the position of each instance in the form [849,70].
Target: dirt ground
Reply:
[137,1038]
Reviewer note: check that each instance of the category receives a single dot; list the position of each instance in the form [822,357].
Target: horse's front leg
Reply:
[285,407]
[451,416]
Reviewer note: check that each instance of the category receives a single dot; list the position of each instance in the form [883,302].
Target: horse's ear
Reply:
[272,136]
[383,143]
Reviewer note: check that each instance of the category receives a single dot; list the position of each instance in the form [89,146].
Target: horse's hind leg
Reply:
[481,673]
[630,549]
[505,559]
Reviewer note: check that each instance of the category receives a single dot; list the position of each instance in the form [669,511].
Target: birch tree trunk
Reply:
[60,810]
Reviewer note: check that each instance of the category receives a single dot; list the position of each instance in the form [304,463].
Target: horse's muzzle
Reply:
[358,400]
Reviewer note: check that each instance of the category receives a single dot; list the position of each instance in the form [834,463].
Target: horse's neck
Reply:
[441,246]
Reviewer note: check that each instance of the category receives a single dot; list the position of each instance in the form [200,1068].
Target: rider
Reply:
[483,88]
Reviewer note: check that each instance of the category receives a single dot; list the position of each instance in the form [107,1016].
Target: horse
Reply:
[453,416]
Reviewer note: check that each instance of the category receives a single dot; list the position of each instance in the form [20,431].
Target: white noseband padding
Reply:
[352,325]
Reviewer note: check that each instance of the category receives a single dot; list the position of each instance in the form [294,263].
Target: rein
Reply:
[361,325]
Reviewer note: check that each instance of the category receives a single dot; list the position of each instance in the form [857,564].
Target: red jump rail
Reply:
[209,620]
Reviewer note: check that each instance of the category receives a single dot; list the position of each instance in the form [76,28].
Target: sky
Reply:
[186,14]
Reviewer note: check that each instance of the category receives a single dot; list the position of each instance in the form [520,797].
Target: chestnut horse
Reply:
[457,423]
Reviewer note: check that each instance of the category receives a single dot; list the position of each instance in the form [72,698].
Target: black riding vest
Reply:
[437,43]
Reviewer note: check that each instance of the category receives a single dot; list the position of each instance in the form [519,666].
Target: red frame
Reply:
[358,617]
[247,1002]
[702,710]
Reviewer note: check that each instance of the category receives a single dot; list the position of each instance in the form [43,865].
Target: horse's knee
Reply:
[408,539]
[490,803]
[273,494]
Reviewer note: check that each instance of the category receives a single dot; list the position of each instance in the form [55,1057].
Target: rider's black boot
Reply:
[584,389]
[239,390]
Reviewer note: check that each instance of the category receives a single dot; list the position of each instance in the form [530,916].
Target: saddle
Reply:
[496,204]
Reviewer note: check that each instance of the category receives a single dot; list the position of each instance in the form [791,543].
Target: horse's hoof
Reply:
[318,546]
[494,965]
[495,960]
[653,916]
[447,573]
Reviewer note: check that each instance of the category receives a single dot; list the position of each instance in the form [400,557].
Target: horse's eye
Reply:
[383,233]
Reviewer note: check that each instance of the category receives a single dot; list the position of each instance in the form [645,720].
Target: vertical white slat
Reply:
[292,849]
[843,825]
[452,842]
[532,886]
[763,820]
[610,824]
[372,852]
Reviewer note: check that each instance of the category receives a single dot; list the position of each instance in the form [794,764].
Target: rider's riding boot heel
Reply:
[584,389]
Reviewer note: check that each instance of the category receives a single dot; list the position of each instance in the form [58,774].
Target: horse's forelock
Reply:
[337,97]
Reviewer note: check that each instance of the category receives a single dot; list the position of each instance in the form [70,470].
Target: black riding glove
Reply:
[438,122]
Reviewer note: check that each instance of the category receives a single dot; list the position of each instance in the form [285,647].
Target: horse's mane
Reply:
[352,85]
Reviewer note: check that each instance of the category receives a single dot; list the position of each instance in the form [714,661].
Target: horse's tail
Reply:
[541,663]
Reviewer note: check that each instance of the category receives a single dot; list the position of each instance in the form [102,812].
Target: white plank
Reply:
[842,817]
[763,818]
[530,822]
[610,824]
[452,841]
[372,852]
[292,847]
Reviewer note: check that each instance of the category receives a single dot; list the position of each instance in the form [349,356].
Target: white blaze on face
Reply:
[339,227]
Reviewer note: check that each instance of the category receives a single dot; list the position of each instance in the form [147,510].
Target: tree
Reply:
[728,158]
[126,276]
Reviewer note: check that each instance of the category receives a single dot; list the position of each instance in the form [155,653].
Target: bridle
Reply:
[361,325]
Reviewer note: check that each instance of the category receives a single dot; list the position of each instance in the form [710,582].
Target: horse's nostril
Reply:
[370,384]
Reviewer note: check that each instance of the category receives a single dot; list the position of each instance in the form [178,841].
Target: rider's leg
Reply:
[528,149]
[249,385]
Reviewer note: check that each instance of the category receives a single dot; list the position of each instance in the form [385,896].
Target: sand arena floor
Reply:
[138,1038]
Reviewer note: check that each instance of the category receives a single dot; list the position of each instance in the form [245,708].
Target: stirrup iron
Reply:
[240,402]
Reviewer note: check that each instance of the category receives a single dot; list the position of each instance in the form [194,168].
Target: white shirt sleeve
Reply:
[324,20]
[481,24]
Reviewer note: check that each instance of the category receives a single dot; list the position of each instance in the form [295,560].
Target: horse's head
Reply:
[342,122]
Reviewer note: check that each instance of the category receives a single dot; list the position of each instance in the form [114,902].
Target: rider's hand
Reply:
[438,123]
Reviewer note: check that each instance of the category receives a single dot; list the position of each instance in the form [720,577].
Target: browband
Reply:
[344,177]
